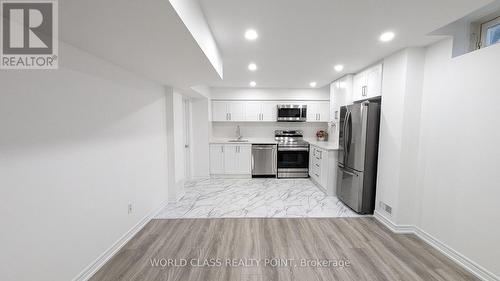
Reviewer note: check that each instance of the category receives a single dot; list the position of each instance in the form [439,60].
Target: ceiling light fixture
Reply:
[387,36]
[253,84]
[252,67]
[251,34]
[338,67]
[313,84]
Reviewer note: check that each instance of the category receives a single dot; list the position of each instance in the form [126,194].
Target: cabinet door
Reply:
[312,112]
[216,159]
[334,102]
[219,111]
[324,111]
[244,157]
[236,110]
[359,84]
[325,170]
[374,81]
[269,111]
[317,165]
[231,163]
[253,111]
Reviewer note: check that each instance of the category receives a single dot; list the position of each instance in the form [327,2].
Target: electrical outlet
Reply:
[130,208]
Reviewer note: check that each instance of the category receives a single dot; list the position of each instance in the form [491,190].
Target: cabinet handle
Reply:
[230,117]
[222,149]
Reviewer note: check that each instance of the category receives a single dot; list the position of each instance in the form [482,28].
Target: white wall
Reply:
[175,126]
[438,162]
[269,94]
[76,146]
[458,178]
[399,133]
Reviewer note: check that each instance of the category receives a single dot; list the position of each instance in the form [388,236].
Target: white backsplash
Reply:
[263,130]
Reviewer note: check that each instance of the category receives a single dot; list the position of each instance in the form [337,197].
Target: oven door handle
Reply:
[293,149]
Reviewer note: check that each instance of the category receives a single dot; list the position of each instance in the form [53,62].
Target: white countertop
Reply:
[323,144]
[250,141]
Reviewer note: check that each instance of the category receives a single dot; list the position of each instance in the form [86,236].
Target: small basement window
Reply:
[490,32]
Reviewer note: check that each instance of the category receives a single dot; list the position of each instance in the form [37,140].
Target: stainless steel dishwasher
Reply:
[264,160]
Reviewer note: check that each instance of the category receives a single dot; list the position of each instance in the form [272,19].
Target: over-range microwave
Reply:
[292,113]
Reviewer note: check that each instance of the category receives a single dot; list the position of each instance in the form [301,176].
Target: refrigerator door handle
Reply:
[346,171]
[345,137]
[349,142]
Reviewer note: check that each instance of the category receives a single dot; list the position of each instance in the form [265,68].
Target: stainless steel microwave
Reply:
[292,113]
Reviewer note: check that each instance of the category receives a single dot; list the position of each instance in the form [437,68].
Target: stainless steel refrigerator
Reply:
[357,167]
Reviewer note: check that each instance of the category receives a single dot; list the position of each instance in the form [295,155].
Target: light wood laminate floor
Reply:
[249,249]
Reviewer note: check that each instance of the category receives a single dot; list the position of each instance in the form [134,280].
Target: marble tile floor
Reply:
[255,198]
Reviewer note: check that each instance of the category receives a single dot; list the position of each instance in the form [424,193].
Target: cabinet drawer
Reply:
[316,170]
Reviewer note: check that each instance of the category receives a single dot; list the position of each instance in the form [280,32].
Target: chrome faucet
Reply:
[238,133]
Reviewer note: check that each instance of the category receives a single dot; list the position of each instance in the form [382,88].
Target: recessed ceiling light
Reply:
[251,34]
[387,36]
[338,67]
[253,84]
[252,67]
[312,84]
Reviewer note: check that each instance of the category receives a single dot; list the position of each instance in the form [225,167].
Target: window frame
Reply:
[484,30]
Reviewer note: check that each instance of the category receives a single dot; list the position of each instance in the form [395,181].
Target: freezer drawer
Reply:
[356,189]
[349,188]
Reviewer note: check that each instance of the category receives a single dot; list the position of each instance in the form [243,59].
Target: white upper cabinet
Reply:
[253,111]
[318,111]
[368,83]
[219,111]
[340,95]
[236,110]
[269,111]
[228,111]
[260,111]
[374,81]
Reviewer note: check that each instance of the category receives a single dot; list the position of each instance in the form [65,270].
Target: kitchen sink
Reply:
[238,141]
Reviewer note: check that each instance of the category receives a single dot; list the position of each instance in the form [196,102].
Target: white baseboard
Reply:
[392,226]
[90,270]
[452,254]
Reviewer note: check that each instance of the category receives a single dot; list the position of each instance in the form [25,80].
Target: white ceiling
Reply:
[147,38]
[301,40]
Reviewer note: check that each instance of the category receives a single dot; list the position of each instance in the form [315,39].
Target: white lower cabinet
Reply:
[230,159]
[323,168]
[216,159]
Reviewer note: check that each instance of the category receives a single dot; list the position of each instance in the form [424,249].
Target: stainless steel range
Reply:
[293,154]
